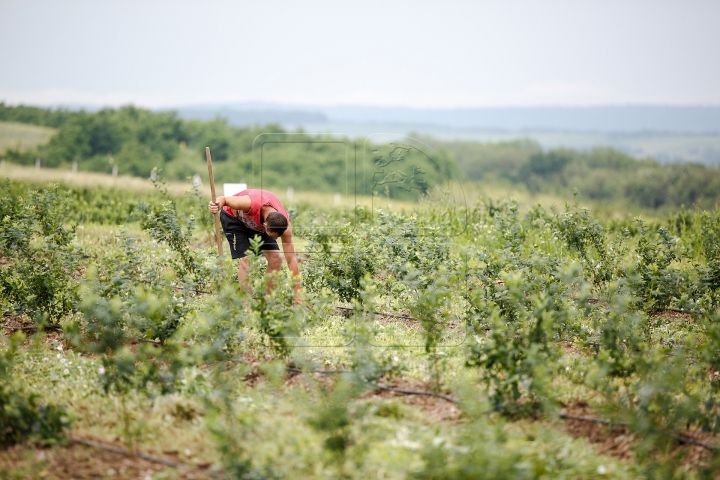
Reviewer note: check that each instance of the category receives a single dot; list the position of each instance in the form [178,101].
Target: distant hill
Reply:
[249,117]
[609,119]
[669,134]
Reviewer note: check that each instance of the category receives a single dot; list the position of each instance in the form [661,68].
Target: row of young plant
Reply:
[519,285]
[526,284]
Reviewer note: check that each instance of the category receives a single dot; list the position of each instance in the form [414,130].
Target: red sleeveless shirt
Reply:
[258,199]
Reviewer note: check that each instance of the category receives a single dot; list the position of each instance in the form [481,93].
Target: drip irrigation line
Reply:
[184,289]
[194,290]
[123,451]
[50,328]
[677,310]
[415,392]
[572,342]
[24,329]
[383,387]
[597,301]
[690,440]
[327,372]
[678,436]
[394,315]
[588,419]
[382,314]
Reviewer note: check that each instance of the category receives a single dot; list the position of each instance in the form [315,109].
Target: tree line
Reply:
[600,174]
[136,140]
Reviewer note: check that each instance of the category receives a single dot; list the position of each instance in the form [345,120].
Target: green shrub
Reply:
[40,258]
[163,224]
[271,300]
[518,356]
[25,417]
[657,282]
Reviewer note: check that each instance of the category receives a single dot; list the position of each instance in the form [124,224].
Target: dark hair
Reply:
[276,222]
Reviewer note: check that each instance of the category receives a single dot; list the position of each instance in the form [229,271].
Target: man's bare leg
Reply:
[242,274]
[275,261]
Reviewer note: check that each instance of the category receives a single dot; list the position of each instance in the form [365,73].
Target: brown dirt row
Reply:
[617,441]
[434,408]
[77,461]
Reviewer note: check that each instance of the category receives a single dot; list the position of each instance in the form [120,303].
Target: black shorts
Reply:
[238,236]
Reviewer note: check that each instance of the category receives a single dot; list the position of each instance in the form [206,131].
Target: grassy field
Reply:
[489,348]
[44,176]
[23,136]
[390,430]
[464,195]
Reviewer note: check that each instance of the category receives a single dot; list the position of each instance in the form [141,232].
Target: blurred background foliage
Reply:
[136,141]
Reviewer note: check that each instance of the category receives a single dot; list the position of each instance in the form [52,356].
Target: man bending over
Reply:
[257,212]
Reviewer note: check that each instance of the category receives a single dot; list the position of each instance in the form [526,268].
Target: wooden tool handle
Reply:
[214,198]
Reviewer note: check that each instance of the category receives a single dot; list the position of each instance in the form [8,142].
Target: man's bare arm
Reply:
[236,203]
[290,257]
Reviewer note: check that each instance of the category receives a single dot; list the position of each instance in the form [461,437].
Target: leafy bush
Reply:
[431,307]
[272,297]
[25,417]
[621,340]
[333,417]
[40,258]
[709,227]
[518,356]
[587,238]
[657,283]
[339,269]
[163,224]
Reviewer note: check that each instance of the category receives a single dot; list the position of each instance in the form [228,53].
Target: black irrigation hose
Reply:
[194,290]
[48,328]
[675,310]
[690,440]
[415,392]
[327,372]
[680,437]
[588,419]
[407,317]
[393,315]
[382,314]
[382,387]
[594,301]
[151,458]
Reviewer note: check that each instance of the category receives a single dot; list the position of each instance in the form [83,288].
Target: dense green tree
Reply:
[35,115]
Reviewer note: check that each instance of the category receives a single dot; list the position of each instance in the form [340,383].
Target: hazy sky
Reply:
[403,53]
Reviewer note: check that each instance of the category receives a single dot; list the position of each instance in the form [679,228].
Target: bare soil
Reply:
[12,323]
[617,441]
[77,461]
[673,315]
[434,408]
